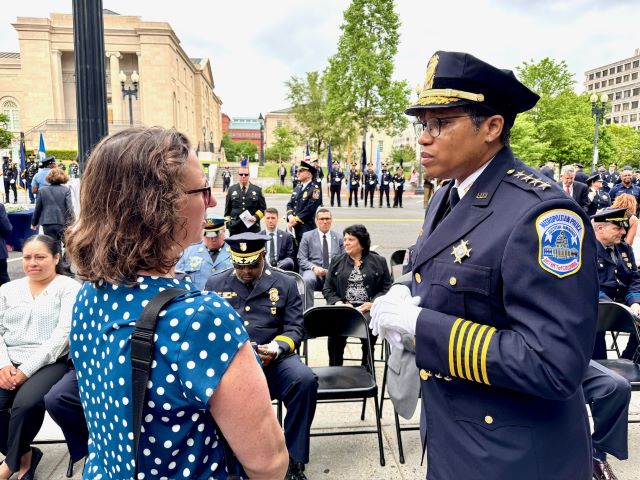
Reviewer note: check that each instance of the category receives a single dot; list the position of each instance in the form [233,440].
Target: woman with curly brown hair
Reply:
[204,379]
[624,200]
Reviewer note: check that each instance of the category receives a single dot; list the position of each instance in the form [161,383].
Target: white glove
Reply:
[399,293]
[393,317]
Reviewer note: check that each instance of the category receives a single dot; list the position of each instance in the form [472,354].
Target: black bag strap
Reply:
[142,356]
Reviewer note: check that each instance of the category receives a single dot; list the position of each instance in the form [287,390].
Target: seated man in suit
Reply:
[576,190]
[271,307]
[317,247]
[211,255]
[280,245]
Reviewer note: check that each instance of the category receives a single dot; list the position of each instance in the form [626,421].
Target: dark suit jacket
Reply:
[53,206]
[285,244]
[580,194]
[5,230]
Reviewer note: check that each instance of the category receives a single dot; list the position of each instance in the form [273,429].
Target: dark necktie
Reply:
[612,254]
[214,254]
[454,198]
[244,190]
[272,250]
[325,252]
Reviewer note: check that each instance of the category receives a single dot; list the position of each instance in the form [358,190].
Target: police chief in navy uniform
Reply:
[270,305]
[305,200]
[501,298]
[244,196]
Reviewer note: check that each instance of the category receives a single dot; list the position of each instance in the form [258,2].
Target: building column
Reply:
[116,92]
[56,87]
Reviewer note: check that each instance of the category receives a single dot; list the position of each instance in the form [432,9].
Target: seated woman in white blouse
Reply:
[35,318]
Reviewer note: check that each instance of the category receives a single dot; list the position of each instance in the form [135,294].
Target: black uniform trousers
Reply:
[368,194]
[64,407]
[385,191]
[296,385]
[608,396]
[22,412]
[335,191]
[225,184]
[397,198]
[8,185]
[353,194]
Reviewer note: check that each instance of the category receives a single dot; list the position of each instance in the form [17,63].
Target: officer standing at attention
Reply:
[305,200]
[370,180]
[501,355]
[354,184]
[244,202]
[10,174]
[271,307]
[208,257]
[598,197]
[385,184]
[336,177]
[611,177]
[319,175]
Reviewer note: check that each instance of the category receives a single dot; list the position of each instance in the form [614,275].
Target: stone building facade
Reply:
[37,85]
[620,80]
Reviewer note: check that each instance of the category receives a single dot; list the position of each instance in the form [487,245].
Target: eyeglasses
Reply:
[433,125]
[243,174]
[205,191]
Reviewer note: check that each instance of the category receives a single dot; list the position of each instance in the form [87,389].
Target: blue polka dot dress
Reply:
[196,339]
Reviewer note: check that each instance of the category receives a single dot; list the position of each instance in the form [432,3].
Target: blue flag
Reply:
[23,163]
[42,152]
[329,161]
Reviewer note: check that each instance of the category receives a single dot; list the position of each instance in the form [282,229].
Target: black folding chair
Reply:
[344,383]
[397,258]
[615,318]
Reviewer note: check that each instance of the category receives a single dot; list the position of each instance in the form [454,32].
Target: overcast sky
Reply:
[255,46]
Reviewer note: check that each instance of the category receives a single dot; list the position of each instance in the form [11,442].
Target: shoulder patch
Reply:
[560,236]
[316,193]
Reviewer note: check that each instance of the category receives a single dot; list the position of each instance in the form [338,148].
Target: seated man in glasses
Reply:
[245,204]
[208,257]
[271,307]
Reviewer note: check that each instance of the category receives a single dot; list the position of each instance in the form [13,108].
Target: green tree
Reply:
[559,127]
[619,144]
[403,155]
[283,146]
[5,135]
[359,80]
[308,98]
[234,151]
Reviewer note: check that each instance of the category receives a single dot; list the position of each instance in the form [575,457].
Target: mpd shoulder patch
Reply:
[560,236]
[316,193]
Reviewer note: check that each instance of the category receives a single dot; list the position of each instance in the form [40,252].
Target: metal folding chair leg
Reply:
[70,468]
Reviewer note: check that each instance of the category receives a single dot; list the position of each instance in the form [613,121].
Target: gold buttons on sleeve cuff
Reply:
[424,375]
[453,281]
[488,419]
[418,278]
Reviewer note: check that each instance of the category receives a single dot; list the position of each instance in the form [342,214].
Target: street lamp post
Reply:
[371,149]
[211,142]
[598,109]
[204,139]
[261,118]
[130,91]
[417,132]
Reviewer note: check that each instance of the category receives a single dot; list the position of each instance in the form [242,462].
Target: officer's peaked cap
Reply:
[617,216]
[213,226]
[307,166]
[246,247]
[594,178]
[455,79]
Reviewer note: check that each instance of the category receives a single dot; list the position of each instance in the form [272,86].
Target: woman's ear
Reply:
[494,124]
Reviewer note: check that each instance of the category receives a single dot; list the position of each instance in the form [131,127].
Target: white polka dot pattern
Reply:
[191,355]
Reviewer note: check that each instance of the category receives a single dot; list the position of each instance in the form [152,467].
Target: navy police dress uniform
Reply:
[370,181]
[620,188]
[385,184]
[610,179]
[507,284]
[272,311]
[237,202]
[336,177]
[398,181]
[354,186]
[303,204]
[598,199]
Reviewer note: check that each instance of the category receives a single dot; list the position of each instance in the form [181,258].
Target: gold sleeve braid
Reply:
[468,347]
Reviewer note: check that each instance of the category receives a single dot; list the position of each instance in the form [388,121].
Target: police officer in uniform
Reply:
[208,257]
[385,184]
[336,177]
[354,184]
[501,355]
[243,197]
[305,200]
[625,186]
[370,180]
[226,179]
[29,172]
[398,186]
[610,178]
[319,175]
[271,307]
[10,175]
[598,197]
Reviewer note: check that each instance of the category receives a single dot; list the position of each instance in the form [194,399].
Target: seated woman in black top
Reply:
[355,278]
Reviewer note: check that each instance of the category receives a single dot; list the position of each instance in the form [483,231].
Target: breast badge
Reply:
[461,251]
[274,295]
[560,235]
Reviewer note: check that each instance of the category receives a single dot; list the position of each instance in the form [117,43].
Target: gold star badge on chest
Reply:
[461,251]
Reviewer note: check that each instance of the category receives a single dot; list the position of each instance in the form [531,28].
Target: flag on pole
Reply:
[42,152]
[307,154]
[329,161]
[23,163]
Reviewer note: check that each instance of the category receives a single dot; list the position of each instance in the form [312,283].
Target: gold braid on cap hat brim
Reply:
[210,229]
[443,96]
[245,258]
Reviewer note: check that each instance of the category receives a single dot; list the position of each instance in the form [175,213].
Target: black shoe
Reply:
[295,472]
[601,470]
[36,456]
